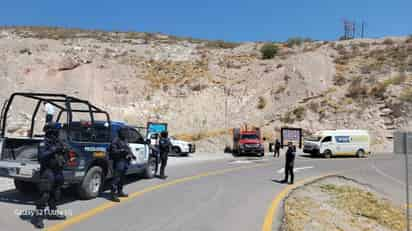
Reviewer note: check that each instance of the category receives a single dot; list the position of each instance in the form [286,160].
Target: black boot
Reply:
[122,194]
[37,221]
[113,196]
[55,214]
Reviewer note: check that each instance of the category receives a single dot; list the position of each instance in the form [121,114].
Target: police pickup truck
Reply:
[87,141]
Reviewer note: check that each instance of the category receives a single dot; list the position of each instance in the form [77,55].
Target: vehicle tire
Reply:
[92,183]
[262,154]
[360,153]
[327,154]
[24,186]
[151,168]
[176,150]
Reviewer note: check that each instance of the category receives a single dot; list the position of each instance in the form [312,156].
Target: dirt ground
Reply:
[342,204]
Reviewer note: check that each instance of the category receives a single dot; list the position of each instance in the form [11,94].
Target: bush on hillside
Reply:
[297,41]
[269,50]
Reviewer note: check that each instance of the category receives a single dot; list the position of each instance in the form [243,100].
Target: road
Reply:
[224,194]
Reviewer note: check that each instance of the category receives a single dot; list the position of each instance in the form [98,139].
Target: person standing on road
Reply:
[164,146]
[121,155]
[49,110]
[52,158]
[290,160]
[277,149]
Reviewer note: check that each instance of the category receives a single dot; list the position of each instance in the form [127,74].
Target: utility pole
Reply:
[405,143]
[401,146]
[363,30]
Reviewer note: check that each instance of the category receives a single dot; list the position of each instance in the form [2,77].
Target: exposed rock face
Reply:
[202,88]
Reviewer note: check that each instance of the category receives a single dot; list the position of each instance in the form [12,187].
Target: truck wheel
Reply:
[176,150]
[91,184]
[24,186]
[360,153]
[261,154]
[327,154]
[151,168]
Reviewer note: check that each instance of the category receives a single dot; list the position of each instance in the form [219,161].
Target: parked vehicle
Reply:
[338,142]
[179,147]
[88,142]
[247,142]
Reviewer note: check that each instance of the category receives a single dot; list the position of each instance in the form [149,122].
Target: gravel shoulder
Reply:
[338,203]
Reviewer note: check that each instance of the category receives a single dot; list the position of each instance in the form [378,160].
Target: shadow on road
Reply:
[279,181]
[321,157]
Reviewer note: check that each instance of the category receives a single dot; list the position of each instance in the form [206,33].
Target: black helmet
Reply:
[51,130]
[122,133]
[164,134]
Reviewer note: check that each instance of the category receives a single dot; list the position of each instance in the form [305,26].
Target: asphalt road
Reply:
[206,195]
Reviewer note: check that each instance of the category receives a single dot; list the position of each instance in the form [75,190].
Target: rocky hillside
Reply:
[204,88]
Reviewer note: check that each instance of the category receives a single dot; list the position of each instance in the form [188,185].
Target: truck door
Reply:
[139,148]
[2,117]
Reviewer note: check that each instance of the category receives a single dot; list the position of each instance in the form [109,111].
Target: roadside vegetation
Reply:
[269,50]
[340,204]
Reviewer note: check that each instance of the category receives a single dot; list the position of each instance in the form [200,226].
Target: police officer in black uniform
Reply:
[290,160]
[164,148]
[52,155]
[121,155]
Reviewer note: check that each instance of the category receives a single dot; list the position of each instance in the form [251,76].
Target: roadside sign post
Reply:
[406,136]
[402,145]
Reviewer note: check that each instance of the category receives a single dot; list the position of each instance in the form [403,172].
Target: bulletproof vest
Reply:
[164,144]
[51,155]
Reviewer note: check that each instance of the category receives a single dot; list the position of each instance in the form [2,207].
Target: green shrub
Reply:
[300,113]
[406,95]
[221,44]
[269,50]
[409,39]
[261,102]
[388,41]
[297,41]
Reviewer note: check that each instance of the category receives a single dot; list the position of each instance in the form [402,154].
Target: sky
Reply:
[230,20]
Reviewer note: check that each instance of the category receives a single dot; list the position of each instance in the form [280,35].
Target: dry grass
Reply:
[406,95]
[360,203]
[388,41]
[161,73]
[409,39]
[356,88]
[202,135]
[339,205]
[280,89]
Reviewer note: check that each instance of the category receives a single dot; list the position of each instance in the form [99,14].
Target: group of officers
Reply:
[52,156]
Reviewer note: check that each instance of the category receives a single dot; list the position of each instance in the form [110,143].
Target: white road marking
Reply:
[295,169]
[381,172]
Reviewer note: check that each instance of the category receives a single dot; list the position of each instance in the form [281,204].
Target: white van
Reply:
[338,142]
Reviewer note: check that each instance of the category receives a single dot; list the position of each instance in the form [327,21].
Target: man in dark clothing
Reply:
[121,155]
[52,158]
[290,159]
[277,149]
[164,147]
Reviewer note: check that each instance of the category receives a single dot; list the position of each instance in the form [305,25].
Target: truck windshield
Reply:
[313,138]
[249,137]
